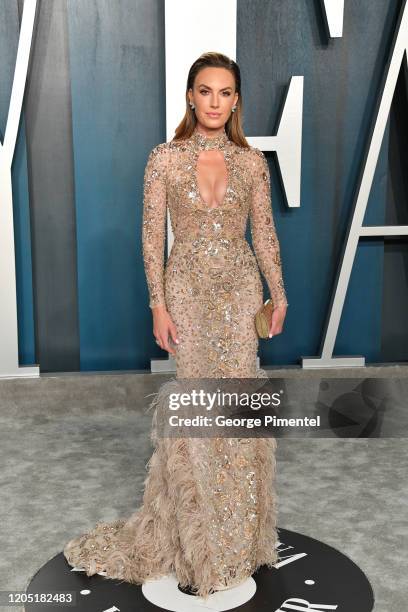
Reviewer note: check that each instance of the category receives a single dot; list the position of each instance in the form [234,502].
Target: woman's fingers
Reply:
[168,348]
[173,333]
[171,337]
[158,341]
[164,342]
[278,316]
[165,331]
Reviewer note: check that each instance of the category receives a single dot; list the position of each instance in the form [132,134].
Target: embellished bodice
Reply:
[170,182]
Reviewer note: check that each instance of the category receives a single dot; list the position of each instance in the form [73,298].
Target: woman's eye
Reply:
[204,91]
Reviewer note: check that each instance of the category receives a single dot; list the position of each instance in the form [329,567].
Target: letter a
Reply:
[356,229]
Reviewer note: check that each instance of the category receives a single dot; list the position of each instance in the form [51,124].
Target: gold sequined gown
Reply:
[209,507]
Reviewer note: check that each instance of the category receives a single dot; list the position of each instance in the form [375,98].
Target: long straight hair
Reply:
[233,126]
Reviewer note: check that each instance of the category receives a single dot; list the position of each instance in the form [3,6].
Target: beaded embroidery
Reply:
[208,510]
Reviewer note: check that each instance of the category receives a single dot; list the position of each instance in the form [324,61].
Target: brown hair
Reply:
[233,127]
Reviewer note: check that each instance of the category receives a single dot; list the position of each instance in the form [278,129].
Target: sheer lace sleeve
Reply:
[154,222]
[264,238]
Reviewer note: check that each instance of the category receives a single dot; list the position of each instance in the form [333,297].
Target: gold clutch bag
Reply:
[263,319]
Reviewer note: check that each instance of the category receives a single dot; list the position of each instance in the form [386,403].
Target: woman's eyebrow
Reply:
[204,85]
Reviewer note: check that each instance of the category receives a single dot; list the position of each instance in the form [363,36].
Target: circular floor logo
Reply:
[310,576]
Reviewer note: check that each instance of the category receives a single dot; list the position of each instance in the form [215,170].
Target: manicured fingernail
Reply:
[177,340]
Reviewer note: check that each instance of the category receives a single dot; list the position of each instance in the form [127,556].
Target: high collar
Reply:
[201,141]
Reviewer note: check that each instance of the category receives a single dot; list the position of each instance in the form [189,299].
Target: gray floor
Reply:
[74,449]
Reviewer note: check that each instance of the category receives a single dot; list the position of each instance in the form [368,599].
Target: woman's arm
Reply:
[264,238]
[154,222]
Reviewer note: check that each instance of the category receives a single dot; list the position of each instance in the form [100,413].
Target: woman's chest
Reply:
[208,179]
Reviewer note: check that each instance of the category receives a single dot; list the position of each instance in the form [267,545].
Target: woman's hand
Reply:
[163,326]
[278,317]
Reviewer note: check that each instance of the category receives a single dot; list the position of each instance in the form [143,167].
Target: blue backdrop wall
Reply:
[95,107]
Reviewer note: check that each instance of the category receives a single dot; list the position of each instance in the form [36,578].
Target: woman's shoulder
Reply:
[164,149]
[256,154]
[159,149]
[158,157]
[255,158]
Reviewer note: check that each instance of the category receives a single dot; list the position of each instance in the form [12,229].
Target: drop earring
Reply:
[233,109]
[192,105]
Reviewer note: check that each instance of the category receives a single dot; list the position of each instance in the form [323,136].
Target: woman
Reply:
[208,511]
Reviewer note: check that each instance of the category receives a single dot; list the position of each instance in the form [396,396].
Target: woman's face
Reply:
[213,96]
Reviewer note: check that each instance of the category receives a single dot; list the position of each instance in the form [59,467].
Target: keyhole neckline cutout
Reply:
[197,188]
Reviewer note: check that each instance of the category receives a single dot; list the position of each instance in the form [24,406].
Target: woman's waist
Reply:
[220,251]
[197,240]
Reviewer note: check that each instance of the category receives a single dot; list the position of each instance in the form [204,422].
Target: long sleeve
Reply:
[154,222]
[264,237]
